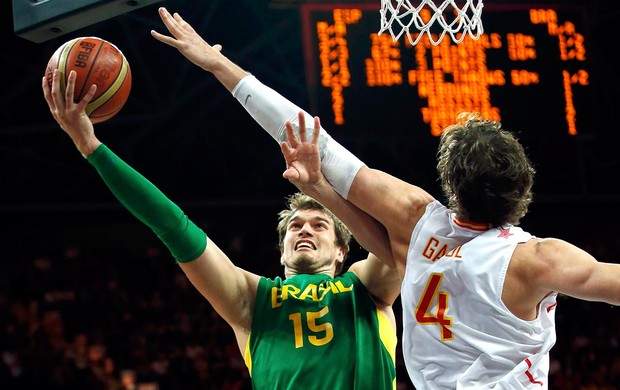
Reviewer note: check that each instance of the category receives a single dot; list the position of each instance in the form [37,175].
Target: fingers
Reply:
[290,173]
[182,23]
[180,30]
[174,22]
[55,98]
[89,95]
[302,126]
[286,151]
[178,18]
[290,134]
[292,137]
[70,92]
[316,131]
[171,24]
[165,16]
[47,93]
[162,38]
[56,91]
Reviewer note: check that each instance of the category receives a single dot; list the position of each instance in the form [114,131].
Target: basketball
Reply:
[96,61]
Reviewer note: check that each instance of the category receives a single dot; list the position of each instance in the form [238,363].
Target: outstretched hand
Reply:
[71,116]
[303,161]
[187,41]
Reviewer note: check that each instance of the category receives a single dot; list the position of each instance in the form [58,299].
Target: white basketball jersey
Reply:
[457,333]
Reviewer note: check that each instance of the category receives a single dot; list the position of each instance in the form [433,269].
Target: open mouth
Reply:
[305,245]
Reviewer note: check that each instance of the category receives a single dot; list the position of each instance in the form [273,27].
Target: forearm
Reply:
[368,232]
[228,73]
[395,203]
[87,146]
[272,110]
[147,203]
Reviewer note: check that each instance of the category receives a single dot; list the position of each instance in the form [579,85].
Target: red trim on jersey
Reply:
[529,374]
[471,225]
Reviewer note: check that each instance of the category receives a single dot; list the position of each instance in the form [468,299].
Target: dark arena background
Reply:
[90,298]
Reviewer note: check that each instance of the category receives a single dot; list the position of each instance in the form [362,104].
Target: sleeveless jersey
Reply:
[318,332]
[457,333]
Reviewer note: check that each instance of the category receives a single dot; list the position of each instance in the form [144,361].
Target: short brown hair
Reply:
[484,171]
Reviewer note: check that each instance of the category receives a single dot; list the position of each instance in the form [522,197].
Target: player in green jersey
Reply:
[311,330]
[324,322]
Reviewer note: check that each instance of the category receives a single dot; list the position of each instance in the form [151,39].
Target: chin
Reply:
[303,262]
[306,263]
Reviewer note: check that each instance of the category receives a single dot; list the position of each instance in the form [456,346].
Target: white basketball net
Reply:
[402,16]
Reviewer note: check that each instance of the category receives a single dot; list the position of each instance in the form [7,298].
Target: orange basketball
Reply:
[96,61]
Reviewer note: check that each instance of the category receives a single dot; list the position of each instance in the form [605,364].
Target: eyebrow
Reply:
[317,218]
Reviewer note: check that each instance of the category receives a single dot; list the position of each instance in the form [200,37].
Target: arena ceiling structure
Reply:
[185,132]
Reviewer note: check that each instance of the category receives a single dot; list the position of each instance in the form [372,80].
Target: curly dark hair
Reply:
[484,171]
[299,201]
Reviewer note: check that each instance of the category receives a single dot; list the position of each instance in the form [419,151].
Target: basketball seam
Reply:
[62,63]
[90,69]
[111,91]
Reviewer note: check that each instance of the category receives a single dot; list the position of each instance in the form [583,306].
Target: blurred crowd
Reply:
[92,318]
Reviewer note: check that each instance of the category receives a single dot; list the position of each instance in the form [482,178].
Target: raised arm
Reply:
[546,265]
[187,41]
[301,153]
[268,108]
[394,203]
[208,268]
[377,272]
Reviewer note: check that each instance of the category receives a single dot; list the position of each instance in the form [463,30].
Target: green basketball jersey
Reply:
[318,332]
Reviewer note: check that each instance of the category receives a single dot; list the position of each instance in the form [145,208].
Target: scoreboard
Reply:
[528,69]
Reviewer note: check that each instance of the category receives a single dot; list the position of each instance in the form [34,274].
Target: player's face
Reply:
[310,243]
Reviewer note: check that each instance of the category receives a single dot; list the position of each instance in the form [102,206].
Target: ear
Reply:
[281,257]
[340,256]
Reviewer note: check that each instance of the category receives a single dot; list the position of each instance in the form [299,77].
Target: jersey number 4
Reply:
[326,330]
[423,312]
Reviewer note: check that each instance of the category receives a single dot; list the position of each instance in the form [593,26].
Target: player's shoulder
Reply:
[528,252]
[351,274]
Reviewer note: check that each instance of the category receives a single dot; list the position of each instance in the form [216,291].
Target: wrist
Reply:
[339,166]
[228,73]
[87,147]
[315,189]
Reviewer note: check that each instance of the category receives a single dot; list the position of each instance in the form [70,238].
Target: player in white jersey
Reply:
[478,298]
[459,332]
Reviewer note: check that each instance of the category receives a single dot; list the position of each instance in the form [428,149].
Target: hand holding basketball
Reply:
[96,61]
